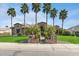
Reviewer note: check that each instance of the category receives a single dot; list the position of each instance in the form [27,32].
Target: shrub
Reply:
[77,33]
[19,34]
[49,31]
[65,32]
[36,31]
[29,31]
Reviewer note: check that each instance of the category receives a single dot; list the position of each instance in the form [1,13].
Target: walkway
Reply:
[16,49]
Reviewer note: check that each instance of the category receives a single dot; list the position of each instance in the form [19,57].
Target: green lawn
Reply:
[69,39]
[13,39]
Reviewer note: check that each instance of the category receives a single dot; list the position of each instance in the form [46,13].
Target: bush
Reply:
[65,32]
[29,31]
[36,31]
[19,34]
[48,32]
[77,33]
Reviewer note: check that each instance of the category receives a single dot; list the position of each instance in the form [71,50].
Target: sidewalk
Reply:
[16,49]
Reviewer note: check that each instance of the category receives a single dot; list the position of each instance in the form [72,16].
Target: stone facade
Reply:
[18,29]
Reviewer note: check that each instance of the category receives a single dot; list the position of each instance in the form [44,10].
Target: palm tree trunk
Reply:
[24,24]
[36,18]
[62,25]
[11,27]
[53,33]
[53,22]
[46,18]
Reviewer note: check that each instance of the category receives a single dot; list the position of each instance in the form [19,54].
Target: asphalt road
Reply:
[15,49]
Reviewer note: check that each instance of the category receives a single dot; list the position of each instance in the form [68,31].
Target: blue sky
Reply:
[71,20]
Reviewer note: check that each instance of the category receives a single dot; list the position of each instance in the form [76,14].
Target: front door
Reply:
[17,31]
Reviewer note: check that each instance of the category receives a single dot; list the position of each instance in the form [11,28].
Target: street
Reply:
[17,49]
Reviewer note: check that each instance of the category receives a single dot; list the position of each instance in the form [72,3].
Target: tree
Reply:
[46,10]
[36,9]
[63,16]
[36,31]
[11,12]
[24,10]
[48,32]
[53,14]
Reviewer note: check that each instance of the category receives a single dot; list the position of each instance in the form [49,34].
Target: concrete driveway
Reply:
[16,49]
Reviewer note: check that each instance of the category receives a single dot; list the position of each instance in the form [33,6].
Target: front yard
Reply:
[69,39]
[17,39]
[13,39]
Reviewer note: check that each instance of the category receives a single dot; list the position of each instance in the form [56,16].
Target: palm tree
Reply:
[11,12]
[36,9]
[53,14]
[46,9]
[63,16]
[24,10]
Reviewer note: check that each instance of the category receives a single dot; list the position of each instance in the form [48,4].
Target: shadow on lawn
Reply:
[22,41]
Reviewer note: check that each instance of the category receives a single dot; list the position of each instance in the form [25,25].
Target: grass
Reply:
[17,39]
[13,39]
[69,39]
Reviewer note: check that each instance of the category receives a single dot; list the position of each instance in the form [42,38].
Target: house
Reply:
[5,31]
[42,25]
[19,28]
[74,30]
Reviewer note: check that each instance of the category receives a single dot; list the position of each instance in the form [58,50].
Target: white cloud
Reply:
[72,13]
[30,18]
[71,22]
